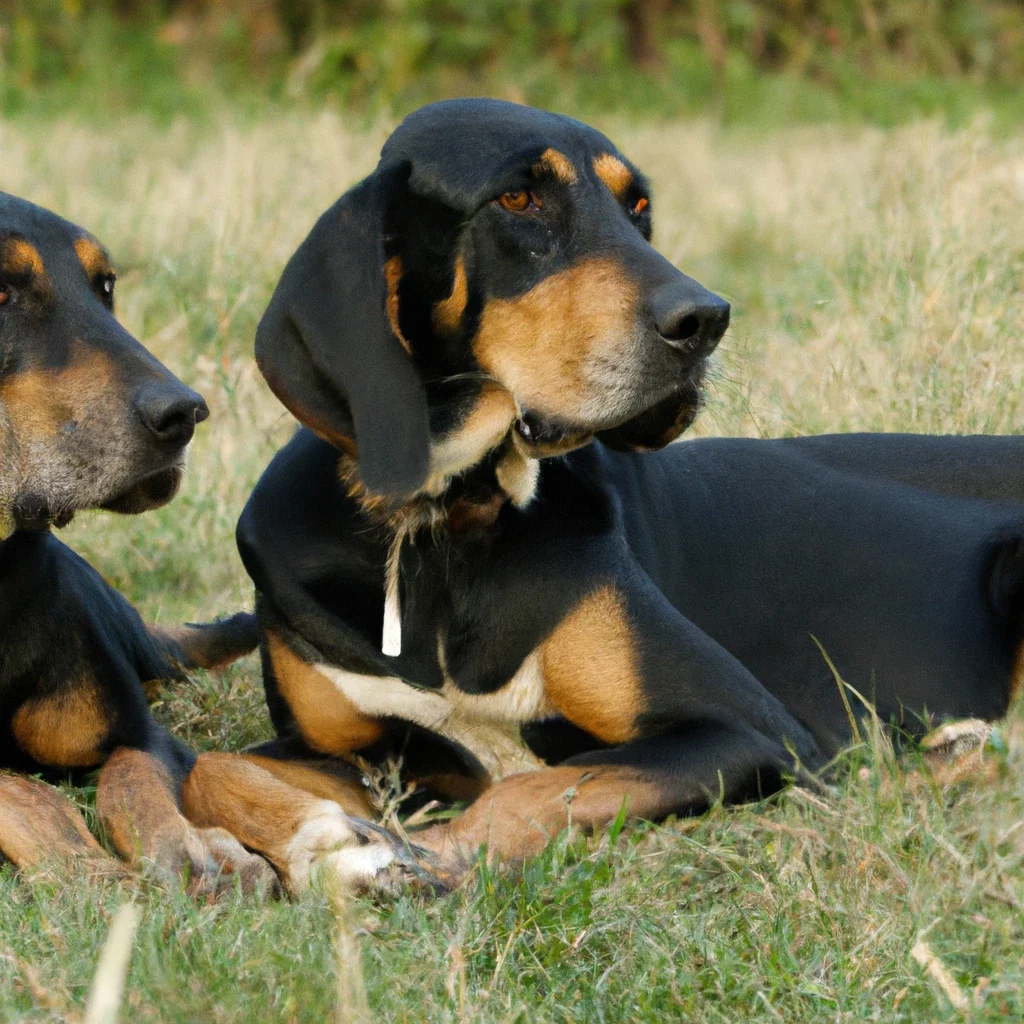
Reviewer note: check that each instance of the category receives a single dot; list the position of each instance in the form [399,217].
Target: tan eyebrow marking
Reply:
[92,257]
[614,173]
[448,312]
[557,164]
[20,255]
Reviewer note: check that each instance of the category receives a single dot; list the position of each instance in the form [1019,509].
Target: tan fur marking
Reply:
[517,476]
[20,256]
[329,722]
[393,277]
[65,730]
[590,668]
[484,427]
[348,793]
[447,315]
[92,257]
[518,816]
[34,404]
[289,826]
[137,803]
[614,173]
[39,403]
[564,347]
[38,824]
[558,164]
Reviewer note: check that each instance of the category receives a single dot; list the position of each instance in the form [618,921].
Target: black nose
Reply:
[170,414]
[689,318]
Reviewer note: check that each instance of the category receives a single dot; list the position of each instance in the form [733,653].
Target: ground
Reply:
[875,281]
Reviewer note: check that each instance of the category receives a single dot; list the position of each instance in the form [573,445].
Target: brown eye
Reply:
[519,202]
[5,297]
[641,205]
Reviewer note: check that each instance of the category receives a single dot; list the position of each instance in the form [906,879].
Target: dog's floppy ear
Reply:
[327,347]
[658,426]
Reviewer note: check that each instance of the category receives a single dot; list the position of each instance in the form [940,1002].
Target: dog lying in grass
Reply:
[90,420]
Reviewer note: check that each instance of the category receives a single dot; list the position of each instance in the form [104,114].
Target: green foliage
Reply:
[758,61]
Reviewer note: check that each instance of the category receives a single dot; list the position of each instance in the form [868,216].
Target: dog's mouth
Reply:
[148,493]
[539,436]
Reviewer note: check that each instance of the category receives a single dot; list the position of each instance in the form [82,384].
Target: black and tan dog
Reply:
[481,343]
[89,419]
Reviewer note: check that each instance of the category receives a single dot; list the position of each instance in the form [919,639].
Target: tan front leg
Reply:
[136,801]
[518,816]
[293,829]
[40,826]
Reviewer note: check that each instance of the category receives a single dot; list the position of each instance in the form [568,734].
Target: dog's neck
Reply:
[467,505]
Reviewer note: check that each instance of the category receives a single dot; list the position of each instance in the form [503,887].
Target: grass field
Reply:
[875,280]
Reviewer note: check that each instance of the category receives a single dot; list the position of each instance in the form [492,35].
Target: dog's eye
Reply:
[107,288]
[520,201]
[640,205]
[5,296]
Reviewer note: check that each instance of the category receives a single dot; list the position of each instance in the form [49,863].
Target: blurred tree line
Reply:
[662,55]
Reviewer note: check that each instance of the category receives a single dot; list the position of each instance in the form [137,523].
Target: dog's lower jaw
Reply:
[152,491]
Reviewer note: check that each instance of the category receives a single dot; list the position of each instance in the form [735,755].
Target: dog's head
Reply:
[88,418]
[494,274]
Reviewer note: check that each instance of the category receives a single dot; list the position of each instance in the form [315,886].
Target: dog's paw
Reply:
[228,862]
[385,864]
[209,862]
[954,740]
[956,749]
[325,831]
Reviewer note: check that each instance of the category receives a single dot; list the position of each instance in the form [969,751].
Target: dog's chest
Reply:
[521,699]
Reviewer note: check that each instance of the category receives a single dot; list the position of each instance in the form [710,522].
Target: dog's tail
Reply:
[209,644]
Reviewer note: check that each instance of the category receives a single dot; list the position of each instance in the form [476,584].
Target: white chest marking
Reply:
[521,699]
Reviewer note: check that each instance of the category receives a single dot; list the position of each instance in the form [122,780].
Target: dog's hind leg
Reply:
[39,826]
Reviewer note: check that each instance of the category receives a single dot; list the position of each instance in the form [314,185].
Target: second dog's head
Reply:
[88,418]
[494,275]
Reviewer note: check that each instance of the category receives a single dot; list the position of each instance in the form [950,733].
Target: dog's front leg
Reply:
[39,826]
[137,798]
[675,723]
[680,771]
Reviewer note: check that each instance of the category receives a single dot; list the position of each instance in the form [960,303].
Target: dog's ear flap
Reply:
[658,426]
[330,352]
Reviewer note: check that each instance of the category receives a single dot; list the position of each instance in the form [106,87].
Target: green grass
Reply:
[875,276]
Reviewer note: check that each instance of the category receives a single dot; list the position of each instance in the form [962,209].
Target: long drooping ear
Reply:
[658,426]
[331,352]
